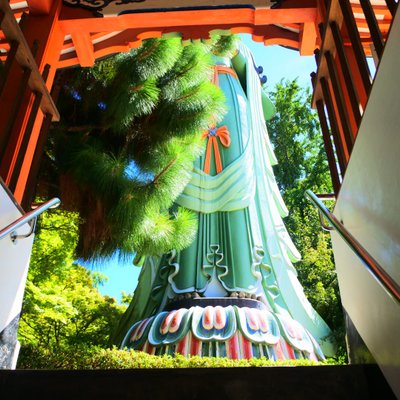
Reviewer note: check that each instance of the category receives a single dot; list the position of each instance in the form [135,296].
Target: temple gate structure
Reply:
[358,114]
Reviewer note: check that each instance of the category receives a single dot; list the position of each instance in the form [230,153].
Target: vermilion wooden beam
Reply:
[191,24]
[378,9]
[356,44]
[339,145]
[347,73]
[332,14]
[20,147]
[39,7]
[340,102]
[25,59]
[131,38]
[79,22]
[84,49]
[373,26]
[50,38]
[7,65]
[328,147]
[308,38]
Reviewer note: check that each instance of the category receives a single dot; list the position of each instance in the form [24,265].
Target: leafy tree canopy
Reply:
[298,145]
[63,308]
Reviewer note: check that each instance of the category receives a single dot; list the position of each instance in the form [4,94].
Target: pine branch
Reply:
[186,96]
[136,88]
[148,51]
[164,170]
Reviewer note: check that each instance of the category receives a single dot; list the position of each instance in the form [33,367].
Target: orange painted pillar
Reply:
[45,32]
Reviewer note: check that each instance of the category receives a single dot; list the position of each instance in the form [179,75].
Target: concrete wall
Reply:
[369,206]
[14,262]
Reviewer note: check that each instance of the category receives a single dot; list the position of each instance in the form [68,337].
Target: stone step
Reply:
[308,383]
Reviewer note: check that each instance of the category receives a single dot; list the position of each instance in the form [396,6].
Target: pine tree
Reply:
[124,150]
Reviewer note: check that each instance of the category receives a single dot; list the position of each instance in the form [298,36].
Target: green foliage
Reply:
[298,145]
[96,358]
[165,232]
[53,250]
[295,133]
[126,298]
[225,46]
[62,309]
[131,129]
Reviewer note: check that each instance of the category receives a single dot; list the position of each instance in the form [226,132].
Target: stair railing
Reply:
[369,262]
[30,218]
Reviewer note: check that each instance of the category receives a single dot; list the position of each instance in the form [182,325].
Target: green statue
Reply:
[234,291]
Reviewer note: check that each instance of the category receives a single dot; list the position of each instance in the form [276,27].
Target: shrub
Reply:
[97,358]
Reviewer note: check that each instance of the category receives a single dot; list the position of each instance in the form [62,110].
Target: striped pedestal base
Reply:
[233,331]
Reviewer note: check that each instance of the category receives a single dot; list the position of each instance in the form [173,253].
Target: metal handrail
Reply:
[30,217]
[370,263]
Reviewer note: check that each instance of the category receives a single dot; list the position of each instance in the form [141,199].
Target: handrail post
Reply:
[27,218]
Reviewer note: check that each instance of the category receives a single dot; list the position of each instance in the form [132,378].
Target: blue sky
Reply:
[122,276]
[278,63]
[281,63]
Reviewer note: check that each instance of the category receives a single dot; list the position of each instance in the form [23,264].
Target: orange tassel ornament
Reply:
[212,134]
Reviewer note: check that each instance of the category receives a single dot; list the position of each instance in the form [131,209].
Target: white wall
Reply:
[369,206]
[14,262]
